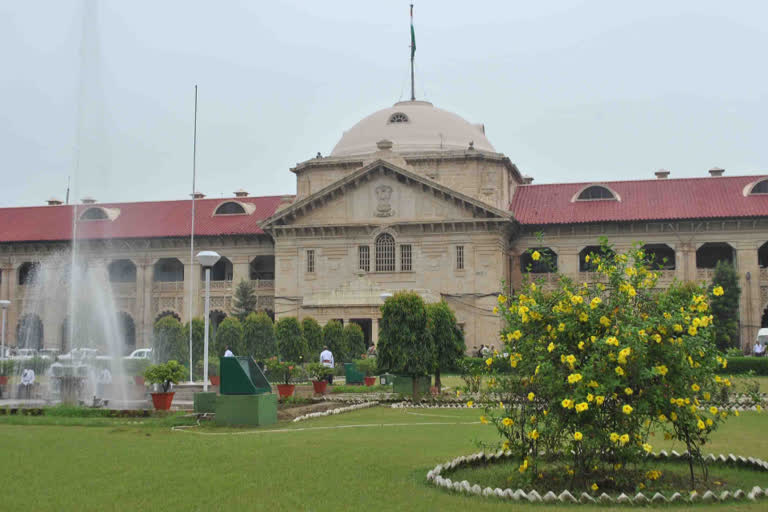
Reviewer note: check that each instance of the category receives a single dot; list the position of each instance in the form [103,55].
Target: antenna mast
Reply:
[413,52]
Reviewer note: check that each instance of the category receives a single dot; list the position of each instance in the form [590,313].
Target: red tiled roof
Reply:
[154,219]
[659,199]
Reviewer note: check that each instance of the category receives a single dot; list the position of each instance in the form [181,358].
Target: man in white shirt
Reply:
[326,359]
[27,381]
[228,352]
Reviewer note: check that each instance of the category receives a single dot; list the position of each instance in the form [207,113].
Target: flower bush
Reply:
[281,371]
[598,368]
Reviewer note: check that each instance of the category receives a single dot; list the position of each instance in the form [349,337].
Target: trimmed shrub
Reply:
[230,334]
[447,337]
[313,333]
[168,341]
[291,344]
[354,341]
[259,336]
[333,338]
[198,333]
[744,364]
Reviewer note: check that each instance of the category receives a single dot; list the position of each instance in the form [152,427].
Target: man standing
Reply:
[326,359]
[228,352]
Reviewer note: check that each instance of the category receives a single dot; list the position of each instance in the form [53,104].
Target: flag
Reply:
[413,36]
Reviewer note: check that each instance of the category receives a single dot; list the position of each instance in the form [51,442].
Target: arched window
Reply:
[710,253]
[762,255]
[398,117]
[660,256]
[546,263]
[263,267]
[127,330]
[168,270]
[595,192]
[122,271]
[761,187]
[28,272]
[94,214]
[385,253]
[587,264]
[221,271]
[29,332]
[230,208]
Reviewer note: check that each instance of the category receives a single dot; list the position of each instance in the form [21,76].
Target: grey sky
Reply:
[568,90]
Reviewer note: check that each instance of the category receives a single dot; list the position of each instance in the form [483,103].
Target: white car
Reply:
[49,353]
[25,353]
[78,354]
[140,353]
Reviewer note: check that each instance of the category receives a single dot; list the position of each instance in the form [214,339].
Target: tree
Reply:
[354,340]
[313,333]
[198,331]
[447,337]
[259,336]
[333,338]
[725,306]
[229,334]
[291,344]
[245,300]
[405,345]
[168,340]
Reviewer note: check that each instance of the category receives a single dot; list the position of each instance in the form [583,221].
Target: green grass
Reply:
[305,466]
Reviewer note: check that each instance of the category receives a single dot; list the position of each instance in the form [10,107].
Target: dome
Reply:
[412,126]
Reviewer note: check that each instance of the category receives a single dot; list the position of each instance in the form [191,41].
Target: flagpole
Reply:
[413,51]
[192,236]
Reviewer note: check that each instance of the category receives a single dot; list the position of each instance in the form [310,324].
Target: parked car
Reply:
[49,353]
[25,353]
[78,354]
[140,353]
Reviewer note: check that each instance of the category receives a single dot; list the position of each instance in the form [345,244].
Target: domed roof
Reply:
[412,126]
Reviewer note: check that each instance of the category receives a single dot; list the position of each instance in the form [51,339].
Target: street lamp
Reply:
[3,304]
[207,259]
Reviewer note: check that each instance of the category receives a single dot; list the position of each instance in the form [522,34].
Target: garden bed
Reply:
[289,411]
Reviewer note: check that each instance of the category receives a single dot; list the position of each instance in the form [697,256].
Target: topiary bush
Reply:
[291,344]
[333,338]
[259,336]
[198,334]
[168,340]
[313,333]
[743,364]
[165,374]
[230,334]
[354,341]
[595,368]
[447,337]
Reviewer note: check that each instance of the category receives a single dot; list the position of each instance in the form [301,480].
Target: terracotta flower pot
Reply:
[320,386]
[3,380]
[139,380]
[370,381]
[162,401]
[285,390]
[215,380]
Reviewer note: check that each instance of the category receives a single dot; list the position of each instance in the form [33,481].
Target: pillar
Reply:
[146,312]
[749,302]
[193,284]
[375,332]
[568,261]
[685,262]
[15,307]
[241,270]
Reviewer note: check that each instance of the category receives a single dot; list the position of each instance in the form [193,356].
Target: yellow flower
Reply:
[593,384]
[590,397]
[673,416]
[470,404]
[505,446]
[717,291]
[662,417]
[567,403]
[570,359]
[648,448]
[604,321]
[582,407]
[516,335]
[458,392]
[495,310]
[619,371]
[533,434]
[612,341]
[599,399]
[583,317]
[536,256]
[507,422]
[627,409]
[662,370]
[628,391]
[581,345]
[502,299]
[709,422]
[483,420]
[489,361]
[595,302]
[713,410]
[692,330]
[574,378]
[695,387]
[624,439]
[577,299]
[550,347]
[561,327]
[614,437]
[577,436]
[531,396]
[700,424]
[594,487]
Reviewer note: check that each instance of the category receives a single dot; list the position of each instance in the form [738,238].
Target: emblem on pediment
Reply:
[383,201]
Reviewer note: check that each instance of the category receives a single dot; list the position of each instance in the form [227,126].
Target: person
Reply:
[485,351]
[481,350]
[27,381]
[105,379]
[372,351]
[326,359]
[228,352]
[759,349]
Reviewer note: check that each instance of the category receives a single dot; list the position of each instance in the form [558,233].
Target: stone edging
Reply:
[338,410]
[434,477]
[411,405]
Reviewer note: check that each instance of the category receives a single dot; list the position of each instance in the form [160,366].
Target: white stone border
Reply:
[462,405]
[434,477]
[338,410]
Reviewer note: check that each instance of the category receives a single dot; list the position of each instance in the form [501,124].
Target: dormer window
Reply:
[596,193]
[398,117]
[94,214]
[761,187]
[230,208]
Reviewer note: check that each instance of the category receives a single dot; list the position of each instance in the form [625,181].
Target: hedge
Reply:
[740,365]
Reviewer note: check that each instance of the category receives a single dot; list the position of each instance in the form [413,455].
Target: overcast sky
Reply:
[570,91]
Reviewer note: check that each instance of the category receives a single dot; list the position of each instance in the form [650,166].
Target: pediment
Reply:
[383,193]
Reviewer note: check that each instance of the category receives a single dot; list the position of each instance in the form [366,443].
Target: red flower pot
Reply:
[162,401]
[285,390]
[3,380]
[370,381]
[215,381]
[320,386]
[139,380]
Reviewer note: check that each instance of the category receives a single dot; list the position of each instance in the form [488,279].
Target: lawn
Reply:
[375,460]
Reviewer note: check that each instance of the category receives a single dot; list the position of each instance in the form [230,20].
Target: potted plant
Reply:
[164,374]
[213,370]
[6,370]
[136,368]
[282,371]
[319,375]
[367,366]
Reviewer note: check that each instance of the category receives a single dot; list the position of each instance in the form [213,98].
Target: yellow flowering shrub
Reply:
[599,366]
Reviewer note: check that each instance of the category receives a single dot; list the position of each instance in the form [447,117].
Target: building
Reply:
[412,197]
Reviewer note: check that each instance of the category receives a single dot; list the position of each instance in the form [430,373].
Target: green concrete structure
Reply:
[242,376]
[352,375]
[205,402]
[403,384]
[246,410]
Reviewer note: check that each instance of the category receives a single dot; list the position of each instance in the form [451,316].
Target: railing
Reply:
[171,286]
[263,283]
[124,288]
[220,285]
[666,276]
[545,278]
[764,275]
[592,277]
[705,274]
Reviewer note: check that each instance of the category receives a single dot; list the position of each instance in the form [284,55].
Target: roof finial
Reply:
[413,52]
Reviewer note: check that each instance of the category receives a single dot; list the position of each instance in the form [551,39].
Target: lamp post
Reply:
[207,259]
[3,304]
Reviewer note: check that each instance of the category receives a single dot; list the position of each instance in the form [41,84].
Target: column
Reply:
[147,313]
[138,312]
[241,270]
[193,283]
[568,261]
[685,261]
[749,302]
[15,307]
[375,332]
